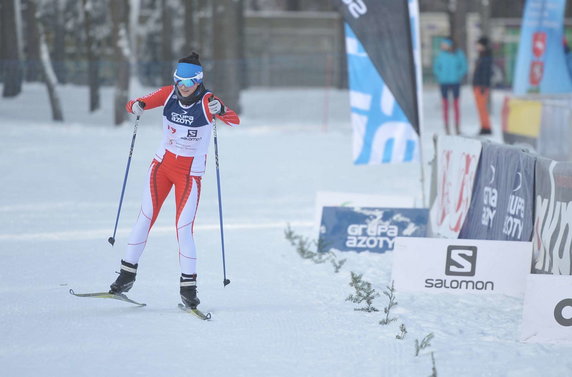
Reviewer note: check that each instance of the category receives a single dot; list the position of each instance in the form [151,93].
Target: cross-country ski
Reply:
[115,296]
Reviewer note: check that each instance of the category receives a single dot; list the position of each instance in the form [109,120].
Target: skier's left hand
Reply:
[215,106]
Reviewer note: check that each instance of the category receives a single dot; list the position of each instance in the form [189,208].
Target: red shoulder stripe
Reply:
[157,98]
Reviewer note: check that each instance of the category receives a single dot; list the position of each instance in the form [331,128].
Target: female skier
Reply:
[188,117]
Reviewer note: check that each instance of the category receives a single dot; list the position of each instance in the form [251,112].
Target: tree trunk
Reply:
[33,64]
[11,53]
[227,51]
[92,60]
[59,42]
[39,47]
[119,16]
[166,42]
[50,78]
[485,17]
[457,23]
[189,27]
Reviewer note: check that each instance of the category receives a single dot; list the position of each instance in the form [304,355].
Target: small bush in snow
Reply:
[304,248]
[390,293]
[402,333]
[434,369]
[363,293]
[337,264]
[425,342]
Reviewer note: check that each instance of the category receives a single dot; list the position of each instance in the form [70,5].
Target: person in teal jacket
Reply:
[449,68]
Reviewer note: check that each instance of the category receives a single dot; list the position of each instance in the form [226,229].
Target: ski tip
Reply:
[196,312]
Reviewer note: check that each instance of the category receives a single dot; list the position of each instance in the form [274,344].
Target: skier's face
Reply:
[187,90]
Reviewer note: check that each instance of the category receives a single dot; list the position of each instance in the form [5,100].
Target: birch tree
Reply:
[40,48]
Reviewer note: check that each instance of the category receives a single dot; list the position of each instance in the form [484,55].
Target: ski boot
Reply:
[189,291]
[125,279]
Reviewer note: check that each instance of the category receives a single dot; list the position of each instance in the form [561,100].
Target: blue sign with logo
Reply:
[370,229]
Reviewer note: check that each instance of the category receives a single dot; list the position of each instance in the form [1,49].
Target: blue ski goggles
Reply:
[188,81]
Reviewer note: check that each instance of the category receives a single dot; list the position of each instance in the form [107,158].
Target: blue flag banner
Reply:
[503,196]
[541,61]
[382,133]
[369,229]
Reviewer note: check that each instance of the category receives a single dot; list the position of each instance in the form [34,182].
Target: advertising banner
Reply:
[457,161]
[547,312]
[523,119]
[351,199]
[369,229]
[541,63]
[503,196]
[552,237]
[436,265]
[381,131]
[384,92]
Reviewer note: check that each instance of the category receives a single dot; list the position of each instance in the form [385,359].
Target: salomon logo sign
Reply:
[564,320]
[461,260]
[462,266]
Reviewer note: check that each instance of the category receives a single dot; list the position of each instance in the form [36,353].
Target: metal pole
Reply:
[111,239]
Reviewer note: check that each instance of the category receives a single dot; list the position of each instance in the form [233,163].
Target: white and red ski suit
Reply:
[179,161]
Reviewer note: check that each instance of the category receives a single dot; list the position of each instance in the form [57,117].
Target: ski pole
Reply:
[111,239]
[225,281]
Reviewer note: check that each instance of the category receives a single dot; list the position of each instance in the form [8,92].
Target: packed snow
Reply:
[281,315]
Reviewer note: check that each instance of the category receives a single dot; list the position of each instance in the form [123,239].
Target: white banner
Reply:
[547,316]
[457,160]
[461,266]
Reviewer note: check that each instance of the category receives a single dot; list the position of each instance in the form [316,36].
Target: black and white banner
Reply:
[552,239]
[503,196]
[384,30]
[547,314]
[436,265]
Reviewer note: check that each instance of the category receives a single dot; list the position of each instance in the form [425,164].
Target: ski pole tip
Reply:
[226,282]
[111,240]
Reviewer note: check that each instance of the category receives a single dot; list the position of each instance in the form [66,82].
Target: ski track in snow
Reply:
[281,315]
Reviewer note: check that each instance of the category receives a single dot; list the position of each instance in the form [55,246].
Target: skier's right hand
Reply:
[135,107]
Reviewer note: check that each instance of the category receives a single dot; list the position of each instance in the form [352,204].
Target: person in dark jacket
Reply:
[482,83]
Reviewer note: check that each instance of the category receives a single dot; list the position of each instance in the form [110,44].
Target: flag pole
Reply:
[414,35]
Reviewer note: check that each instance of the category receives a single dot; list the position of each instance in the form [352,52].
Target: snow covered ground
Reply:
[281,315]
